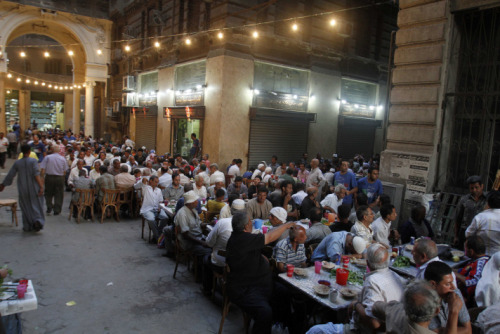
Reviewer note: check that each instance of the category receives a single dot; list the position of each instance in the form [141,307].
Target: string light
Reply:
[22,54]
[127,48]
[46,54]
[99,52]
[255,34]
[71,53]
[157,44]
[9,75]
[220,35]
[188,41]
[50,86]
[43,83]
[18,79]
[295,27]
[333,22]
[28,81]
[36,82]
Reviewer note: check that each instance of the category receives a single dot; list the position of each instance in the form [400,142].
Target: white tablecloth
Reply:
[28,303]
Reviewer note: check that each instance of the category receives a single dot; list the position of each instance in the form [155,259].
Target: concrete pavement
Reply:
[77,262]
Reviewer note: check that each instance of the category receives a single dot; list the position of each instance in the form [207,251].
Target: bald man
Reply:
[291,250]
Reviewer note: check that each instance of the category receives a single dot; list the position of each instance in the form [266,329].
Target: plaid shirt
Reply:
[284,253]
[468,208]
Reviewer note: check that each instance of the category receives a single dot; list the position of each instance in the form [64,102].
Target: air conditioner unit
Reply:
[128,99]
[129,82]
[344,29]
[117,106]
[395,192]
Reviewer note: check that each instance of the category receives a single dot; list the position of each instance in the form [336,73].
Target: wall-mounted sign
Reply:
[280,101]
[357,110]
[189,98]
[184,112]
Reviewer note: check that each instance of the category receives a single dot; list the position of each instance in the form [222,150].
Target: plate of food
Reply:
[359,262]
[321,290]
[348,293]
[328,266]
[300,272]
[409,247]
[457,253]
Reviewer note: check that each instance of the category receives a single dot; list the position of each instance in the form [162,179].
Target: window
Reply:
[280,79]
[148,82]
[360,92]
[53,66]
[190,76]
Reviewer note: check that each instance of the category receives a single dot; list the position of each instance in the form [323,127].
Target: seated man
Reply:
[286,201]
[82,182]
[453,313]
[299,196]
[215,205]
[75,172]
[215,174]
[259,207]
[417,226]
[343,215]
[333,201]
[318,231]
[380,285]
[413,315]
[362,227]
[238,188]
[424,252]
[249,281]
[124,179]
[337,244]
[468,276]
[309,202]
[382,226]
[291,250]
[219,184]
[199,188]
[277,217]
[252,190]
[114,169]
[488,287]
[150,209]
[165,178]
[105,181]
[174,191]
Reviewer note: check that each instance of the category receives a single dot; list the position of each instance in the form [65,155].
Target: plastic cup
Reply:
[21,290]
[264,229]
[331,217]
[342,276]
[345,261]
[289,270]
[257,223]
[317,267]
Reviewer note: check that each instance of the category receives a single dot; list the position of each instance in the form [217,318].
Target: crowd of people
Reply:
[221,234]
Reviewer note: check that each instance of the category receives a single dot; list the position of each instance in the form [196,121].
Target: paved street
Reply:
[71,262]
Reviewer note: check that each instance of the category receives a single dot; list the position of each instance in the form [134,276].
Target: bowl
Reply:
[457,253]
[321,290]
[300,272]
[409,247]
[324,282]
[348,293]
[328,266]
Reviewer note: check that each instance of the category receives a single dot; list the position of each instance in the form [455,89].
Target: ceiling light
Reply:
[43,83]
[28,80]
[333,22]
[99,52]
[255,34]
[188,41]
[46,54]
[220,35]
[295,27]
[22,54]
[127,48]
[157,44]
[9,75]
[71,53]
[18,79]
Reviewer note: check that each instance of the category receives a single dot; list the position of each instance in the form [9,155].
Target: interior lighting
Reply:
[46,54]
[344,102]
[256,91]
[371,108]
[22,54]
[8,91]
[255,34]
[220,35]
[189,91]
[198,87]
[295,27]
[188,41]
[333,22]
[356,106]
[28,80]
[99,52]
[295,97]
[127,48]
[157,44]
[71,53]
[18,79]
[9,75]
[65,87]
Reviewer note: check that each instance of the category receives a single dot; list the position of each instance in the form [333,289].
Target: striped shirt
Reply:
[284,253]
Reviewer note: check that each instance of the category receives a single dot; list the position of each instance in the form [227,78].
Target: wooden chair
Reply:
[227,304]
[110,199]
[138,202]
[125,198]
[310,250]
[13,207]
[181,253]
[85,200]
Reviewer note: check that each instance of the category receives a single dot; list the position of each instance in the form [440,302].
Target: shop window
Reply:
[358,98]
[148,82]
[190,76]
[280,79]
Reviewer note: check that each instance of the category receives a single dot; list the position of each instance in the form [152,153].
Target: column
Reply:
[89,108]
[68,111]
[75,124]
[24,110]
[3,118]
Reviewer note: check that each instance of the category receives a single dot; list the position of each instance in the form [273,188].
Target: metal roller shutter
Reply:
[145,131]
[286,138]
[356,136]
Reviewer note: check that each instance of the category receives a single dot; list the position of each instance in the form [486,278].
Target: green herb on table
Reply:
[355,277]
[9,273]
[401,261]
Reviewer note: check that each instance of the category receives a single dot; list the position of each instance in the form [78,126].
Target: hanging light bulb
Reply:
[8,91]
[28,80]
[220,35]
[36,82]
[9,75]
[127,48]
[295,27]
[255,34]
[71,53]
[65,87]
[188,41]
[333,22]
[18,79]
[56,87]
[99,52]
[50,86]
[46,54]
[157,44]
[43,83]
[22,54]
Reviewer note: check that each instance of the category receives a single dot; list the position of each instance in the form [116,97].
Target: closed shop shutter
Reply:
[278,134]
[145,131]
[356,136]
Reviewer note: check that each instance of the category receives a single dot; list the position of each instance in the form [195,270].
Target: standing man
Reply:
[348,179]
[30,188]
[371,186]
[38,148]
[12,149]
[316,178]
[195,149]
[234,170]
[4,144]
[468,207]
[53,168]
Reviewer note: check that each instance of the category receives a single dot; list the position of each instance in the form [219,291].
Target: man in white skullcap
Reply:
[259,171]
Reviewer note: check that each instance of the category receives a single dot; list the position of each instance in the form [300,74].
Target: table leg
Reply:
[14,213]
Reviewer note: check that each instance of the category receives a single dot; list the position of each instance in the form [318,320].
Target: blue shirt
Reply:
[69,138]
[333,244]
[247,175]
[39,149]
[349,181]
[371,190]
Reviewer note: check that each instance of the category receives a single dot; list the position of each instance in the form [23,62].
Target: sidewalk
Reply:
[119,282]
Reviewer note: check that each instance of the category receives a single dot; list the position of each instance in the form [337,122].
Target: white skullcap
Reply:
[359,244]
[190,197]
[279,213]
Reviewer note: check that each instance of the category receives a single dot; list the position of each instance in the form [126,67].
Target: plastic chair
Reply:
[85,200]
[110,199]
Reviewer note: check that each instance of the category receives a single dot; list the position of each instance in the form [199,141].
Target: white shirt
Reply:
[255,173]
[382,285]
[150,198]
[225,212]
[89,160]
[332,201]
[315,177]
[234,171]
[73,175]
[299,197]
[94,175]
[165,180]
[381,231]
[487,225]
[206,178]
[360,230]
[217,175]
[201,192]
[4,142]
[217,239]
[329,177]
